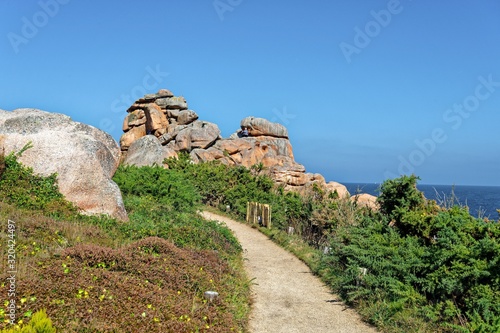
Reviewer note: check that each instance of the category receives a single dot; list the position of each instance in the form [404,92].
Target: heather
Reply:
[98,274]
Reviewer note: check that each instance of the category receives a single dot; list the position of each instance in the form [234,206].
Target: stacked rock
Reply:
[160,125]
[167,118]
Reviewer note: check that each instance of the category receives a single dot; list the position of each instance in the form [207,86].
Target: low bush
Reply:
[97,274]
[21,187]
[417,267]
[39,323]
[222,185]
[412,266]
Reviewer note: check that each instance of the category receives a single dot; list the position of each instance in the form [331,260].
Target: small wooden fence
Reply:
[256,210]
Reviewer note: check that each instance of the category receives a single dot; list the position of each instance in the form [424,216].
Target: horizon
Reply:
[367,90]
[424,184]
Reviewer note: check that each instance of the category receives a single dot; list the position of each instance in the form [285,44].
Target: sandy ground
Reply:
[287,296]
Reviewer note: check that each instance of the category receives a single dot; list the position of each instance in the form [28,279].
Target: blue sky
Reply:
[367,89]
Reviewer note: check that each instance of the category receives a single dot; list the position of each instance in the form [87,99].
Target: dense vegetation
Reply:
[221,185]
[418,266]
[412,266]
[98,274]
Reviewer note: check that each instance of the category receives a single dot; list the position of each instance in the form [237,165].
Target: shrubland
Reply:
[78,273]
[411,266]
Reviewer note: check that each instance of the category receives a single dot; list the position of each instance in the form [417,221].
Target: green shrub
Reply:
[170,188]
[97,274]
[432,266]
[39,323]
[163,203]
[399,195]
[21,187]
[222,185]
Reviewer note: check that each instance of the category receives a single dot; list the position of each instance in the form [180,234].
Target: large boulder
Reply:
[199,134]
[339,188]
[130,136]
[261,126]
[185,117]
[84,157]
[290,175]
[177,102]
[366,200]
[147,151]
[134,118]
[269,151]
[155,118]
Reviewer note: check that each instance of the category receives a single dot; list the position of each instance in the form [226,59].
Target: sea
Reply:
[483,201]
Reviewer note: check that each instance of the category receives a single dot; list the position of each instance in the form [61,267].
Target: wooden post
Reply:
[248,211]
[256,209]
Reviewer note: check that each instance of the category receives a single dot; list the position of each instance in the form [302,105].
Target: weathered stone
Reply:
[125,126]
[261,126]
[339,188]
[232,146]
[165,138]
[156,119]
[84,157]
[147,98]
[293,175]
[185,117]
[199,135]
[133,134]
[135,106]
[172,103]
[267,143]
[173,113]
[251,156]
[205,155]
[135,118]
[174,129]
[235,159]
[147,151]
[365,200]
[164,93]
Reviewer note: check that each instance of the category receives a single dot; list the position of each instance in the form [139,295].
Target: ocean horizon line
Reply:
[420,184]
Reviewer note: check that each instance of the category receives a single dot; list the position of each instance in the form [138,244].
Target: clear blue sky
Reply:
[367,89]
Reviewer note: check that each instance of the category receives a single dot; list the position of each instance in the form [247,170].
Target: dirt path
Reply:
[287,296]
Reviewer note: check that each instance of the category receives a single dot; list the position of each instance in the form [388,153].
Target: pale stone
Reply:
[84,157]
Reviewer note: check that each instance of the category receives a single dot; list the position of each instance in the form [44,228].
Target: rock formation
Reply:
[365,200]
[163,119]
[84,158]
[147,151]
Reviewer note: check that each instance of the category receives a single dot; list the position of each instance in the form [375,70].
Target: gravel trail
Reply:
[287,296]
